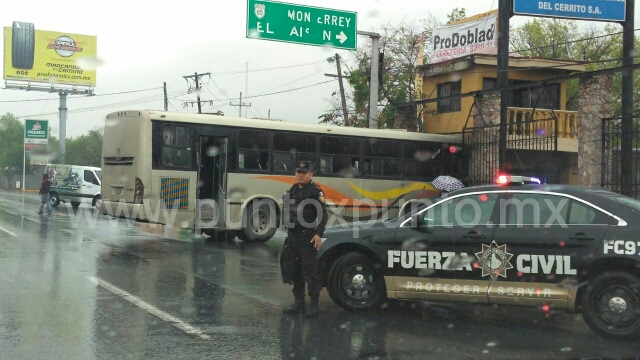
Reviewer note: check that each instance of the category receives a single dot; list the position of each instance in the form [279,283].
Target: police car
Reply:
[517,242]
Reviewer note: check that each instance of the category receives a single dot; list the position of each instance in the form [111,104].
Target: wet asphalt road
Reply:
[78,287]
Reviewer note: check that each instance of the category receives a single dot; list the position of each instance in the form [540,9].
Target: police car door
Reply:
[543,238]
[437,259]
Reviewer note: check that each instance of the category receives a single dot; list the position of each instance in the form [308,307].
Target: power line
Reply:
[82,97]
[112,105]
[161,97]
[267,69]
[216,84]
[284,91]
[252,113]
[302,78]
[259,112]
[174,108]
[570,42]
[212,94]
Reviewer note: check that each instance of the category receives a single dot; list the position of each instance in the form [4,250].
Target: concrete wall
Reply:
[32,181]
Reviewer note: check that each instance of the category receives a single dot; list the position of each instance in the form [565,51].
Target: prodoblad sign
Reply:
[599,10]
[463,39]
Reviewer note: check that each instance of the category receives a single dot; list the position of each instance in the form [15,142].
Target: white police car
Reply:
[514,243]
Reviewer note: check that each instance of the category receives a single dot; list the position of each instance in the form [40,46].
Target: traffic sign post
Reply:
[596,10]
[308,25]
[35,132]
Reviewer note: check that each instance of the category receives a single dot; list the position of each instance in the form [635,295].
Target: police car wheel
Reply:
[355,283]
[611,305]
[259,224]
[54,199]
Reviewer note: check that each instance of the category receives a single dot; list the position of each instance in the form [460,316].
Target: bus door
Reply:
[220,180]
[212,178]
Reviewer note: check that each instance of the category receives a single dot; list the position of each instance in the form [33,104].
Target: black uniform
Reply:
[306,202]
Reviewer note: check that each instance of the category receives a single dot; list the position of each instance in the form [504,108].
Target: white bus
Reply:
[173,161]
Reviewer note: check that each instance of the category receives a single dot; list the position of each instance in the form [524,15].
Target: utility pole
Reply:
[166,99]
[626,143]
[246,85]
[240,105]
[373,84]
[196,77]
[345,113]
[62,142]
[504,15]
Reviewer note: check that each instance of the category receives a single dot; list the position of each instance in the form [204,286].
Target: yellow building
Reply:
[479,72]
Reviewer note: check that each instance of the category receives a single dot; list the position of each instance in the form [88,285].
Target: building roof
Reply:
[489,58]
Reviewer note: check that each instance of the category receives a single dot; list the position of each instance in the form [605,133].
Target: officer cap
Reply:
[304,166]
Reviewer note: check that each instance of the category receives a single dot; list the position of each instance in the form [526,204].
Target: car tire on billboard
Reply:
[22,45]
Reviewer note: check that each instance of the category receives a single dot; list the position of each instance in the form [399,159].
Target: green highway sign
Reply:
[271,20]
[36,132]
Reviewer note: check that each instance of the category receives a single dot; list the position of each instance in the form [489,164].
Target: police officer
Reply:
[305,219]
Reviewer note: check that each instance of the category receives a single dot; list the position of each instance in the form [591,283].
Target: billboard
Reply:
[36,132]
[465,37]
[49,56]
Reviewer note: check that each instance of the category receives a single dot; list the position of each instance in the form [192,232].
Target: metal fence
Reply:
[612,157]
[531,145]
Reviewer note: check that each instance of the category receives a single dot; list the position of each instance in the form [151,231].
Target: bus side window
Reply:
[343,153]
[255,146]
[326,164]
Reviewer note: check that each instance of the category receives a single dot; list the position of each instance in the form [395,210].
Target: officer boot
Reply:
[297,306]
[313,307]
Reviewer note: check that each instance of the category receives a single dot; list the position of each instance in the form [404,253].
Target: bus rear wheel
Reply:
[259,221]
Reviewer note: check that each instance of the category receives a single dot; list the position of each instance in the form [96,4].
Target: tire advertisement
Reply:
[49,56]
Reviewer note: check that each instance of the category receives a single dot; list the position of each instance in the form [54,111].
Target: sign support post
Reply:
[24,162]
[626,143]
[63,127]
[35,132]
[373,84]
[504,15]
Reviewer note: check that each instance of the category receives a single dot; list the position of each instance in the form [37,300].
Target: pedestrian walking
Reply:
[45,186]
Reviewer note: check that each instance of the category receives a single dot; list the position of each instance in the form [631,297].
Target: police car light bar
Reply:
[517,180]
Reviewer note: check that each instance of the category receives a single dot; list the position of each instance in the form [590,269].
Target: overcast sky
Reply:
[142,44]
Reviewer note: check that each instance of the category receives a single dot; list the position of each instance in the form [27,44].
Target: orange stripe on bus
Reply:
[336,197]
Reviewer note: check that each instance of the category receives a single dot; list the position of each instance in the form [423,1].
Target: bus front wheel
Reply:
[259,221]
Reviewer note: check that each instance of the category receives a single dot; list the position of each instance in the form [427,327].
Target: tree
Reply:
[400,45]
[456,15]
[85,149]
[560,39]
[12,140]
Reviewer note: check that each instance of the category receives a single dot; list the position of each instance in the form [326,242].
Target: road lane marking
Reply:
[8,232]
[150,308]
